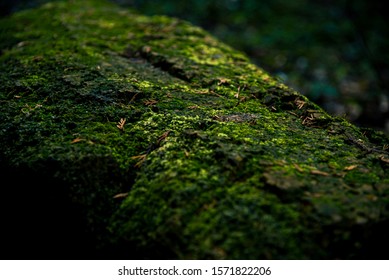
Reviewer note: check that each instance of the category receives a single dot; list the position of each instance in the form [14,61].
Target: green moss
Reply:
[216,158]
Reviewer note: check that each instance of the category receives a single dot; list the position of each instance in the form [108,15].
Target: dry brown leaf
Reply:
[150,102]
[299,103]
[163,136]
[121,123]
[351,167]
[141,159]
[308,120]
[298,167]
[318,172]
[133,98]
[77,140]
[384,159]
[222,81]
[120,195]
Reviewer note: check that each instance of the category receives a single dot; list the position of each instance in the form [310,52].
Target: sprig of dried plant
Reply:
[121,124]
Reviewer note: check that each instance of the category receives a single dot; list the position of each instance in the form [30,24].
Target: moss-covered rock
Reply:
[126,136]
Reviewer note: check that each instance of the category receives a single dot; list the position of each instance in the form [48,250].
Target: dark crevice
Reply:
[158,61]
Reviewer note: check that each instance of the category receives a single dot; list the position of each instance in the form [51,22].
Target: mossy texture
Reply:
[147,138]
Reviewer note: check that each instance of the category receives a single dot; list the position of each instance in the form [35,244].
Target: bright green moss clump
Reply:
[155,140]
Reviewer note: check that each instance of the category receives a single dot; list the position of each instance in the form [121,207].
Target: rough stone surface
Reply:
[126,136]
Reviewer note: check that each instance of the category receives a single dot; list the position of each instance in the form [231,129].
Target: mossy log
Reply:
[137,137]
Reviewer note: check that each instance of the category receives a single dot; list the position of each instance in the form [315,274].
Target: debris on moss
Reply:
[170,144]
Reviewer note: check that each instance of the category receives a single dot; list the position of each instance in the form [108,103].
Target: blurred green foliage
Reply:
[333,51]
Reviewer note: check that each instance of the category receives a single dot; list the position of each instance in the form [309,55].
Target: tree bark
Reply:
[137,137]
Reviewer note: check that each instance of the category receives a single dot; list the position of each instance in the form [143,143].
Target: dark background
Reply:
[334,52]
